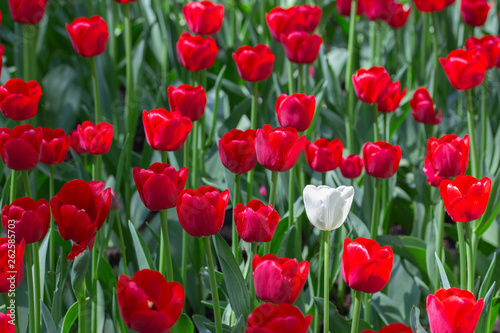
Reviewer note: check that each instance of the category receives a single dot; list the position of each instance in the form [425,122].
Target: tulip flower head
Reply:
[277,318]
[423,108]
[400,16]
[285,21]
[453,310]
[489,45]
[351,166]
[55,146]
[295,111]
[166,131]
[344,7]
[391,101]
[392,328]
[203,17]
[312,16]
[6,323]
[27,11]
[378,9]
[465,69]
[89,36]
[371,85]
[95,139]
[10,267]
[188,100]
[254,63]
[19,100]
[327,208]
[323,155]
[475,12]
[381,159]
[256,222]
[429,6]
[26,219]
[196,53]
[237,150]
[465,198]
[300,47]
[20,147]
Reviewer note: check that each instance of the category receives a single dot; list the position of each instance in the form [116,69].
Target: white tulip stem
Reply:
[326,284]
[318,290]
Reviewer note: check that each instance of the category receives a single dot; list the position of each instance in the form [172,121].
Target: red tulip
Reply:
[166,131]
[95,139]
[20,147]
[148,303]
[159,185]
[392,328]
[351,166]
[465,69]
[453,310]
[312,16]
[27,11]
[429,6]
[449,2]
[254,63]
[446,158]
[344,7]
[201,212]
[300,47]
[465,198]
[381,159]
[76,142]
[489,45]
[55,146]
[295,111]
[196,53]
[11,269]
[19,100]
[475,12]
[277,318]
[125,1]
[391,101]
[400,16]
[423,109]
[7,323]
[80,209]
[324,155]
[285,21]
[237,150]
[278,149]
[366,266]
[371,85]
[256,222]
[89,35]
[278,280]
[2,50]
[26,219]
[188,100]
[378,9]
[203,18]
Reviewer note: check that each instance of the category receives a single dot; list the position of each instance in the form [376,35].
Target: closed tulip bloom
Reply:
[188,100]
[204,17]
[381,159]
[295,111]
[351,166]
[76,142]
[465,198]
[159,185]
[201,212]
[465,68]
[399,16]
[278,149]
[366,266]
[256,222]
[55,146]
[254,63]
[371,85]
[89,36]
[277,318]
[446,157]
[344,7]
[80,209]
[6,323]
[453,310]
[95,139]
[148,303]
[475,12]
[166,131]
[19,100]
[9,265]
[378,9]
[27,11]
[429,6]
[196,53]
[392,328]
[489,45]
[285,21]
[326,207]
[423,108]
[278,280]
[20,147]
[312,15]
[26,219]
[300,47]
[392,100]
[237,150]
[324,155]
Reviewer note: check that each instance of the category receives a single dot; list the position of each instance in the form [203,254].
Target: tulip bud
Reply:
[351,166]
[26,219]
[237,150]
[254,63]
[89,36]
[27,11]
[475,12]
[489,45]
[204,17]
[196,53]
[381,159]
[256,222]
[391,101]
[19,100]
[465,69]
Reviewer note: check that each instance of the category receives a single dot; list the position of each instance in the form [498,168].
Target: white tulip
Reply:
[326,207]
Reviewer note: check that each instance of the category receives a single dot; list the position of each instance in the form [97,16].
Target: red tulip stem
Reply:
[484,129]
[122,243]
[82,312]
[358,300]
[375,210]
[290,78]
[194,157]
[253,117]
[439,245]
[472,135]
[462,254]
[237,199]
[97,100]
[326,282]
[349,120]
[37,287]
[166,247]
[471,265]
[250,278]
[375,123]
[213,285]
[52,245]
[291,188]
[436,55]
[31,294]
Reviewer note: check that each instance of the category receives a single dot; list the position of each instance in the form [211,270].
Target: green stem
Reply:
[341,285]
[253,117]
[13,186]
[250,277]
[300,78]
[274,184]
[185,236]
[237,199]
[26,180]
[194,157]
[358,299]
[471,266]
[472,134]
[168,255]
[213,285]
[326,280]
[95,274]
[52,232]
[462,254]
[323,178]
[423,45]
[372,42]
[291,188]
[375,122]
[484,118]
[82,313]
[27,53]
[129,72]
[378,45]
[97,168]
[349,120]
[375,210]
[37,287]
[122,243]
[31,286]
[290,78]
[436,56]
[440,226]
[97,100]
[317,320]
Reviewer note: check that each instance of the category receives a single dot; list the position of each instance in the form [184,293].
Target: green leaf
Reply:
[233,278]
[200,323]
[240,326]
[183,325]
[482,326]
[69,318]
[338,321]
[487,277]
[442,273]
[415,320]
[78,272]
[144,259]
[288,248]
[100,308]
[47,319]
